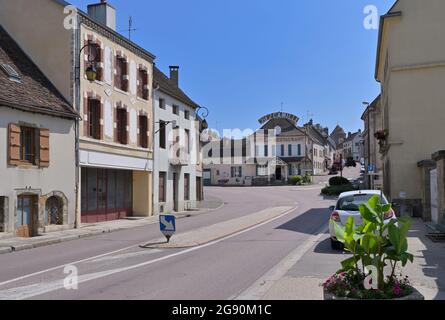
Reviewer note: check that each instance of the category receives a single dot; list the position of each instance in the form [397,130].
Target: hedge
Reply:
[338,181]
[337,190]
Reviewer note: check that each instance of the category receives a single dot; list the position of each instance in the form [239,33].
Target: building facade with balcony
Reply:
[178,176]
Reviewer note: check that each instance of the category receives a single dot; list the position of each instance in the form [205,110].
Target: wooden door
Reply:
[175,192]
[25,216]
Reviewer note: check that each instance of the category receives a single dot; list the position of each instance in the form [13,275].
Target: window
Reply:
[143,131]
[299,149]
[289,150]
[161,103]
[162,135]
[162,184]
[142,87]
[175,109]
[282,150]
[187,114]
[121,126]
[120,79]
[266,151]
[186,187]
[187,141]
[28,145]
[95,53]
[261,171]
[54,211]
[236,172]
[94,119]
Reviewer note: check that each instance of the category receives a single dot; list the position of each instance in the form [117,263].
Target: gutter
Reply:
[41,110]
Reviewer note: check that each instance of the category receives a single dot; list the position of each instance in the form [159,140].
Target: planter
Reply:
[416,295]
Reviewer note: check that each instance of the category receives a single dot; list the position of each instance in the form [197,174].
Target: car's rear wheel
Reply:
[336,245]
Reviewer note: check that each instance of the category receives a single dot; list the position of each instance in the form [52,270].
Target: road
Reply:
[113,266]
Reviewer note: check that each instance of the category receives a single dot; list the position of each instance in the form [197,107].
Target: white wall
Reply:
[60,176]
[161,156]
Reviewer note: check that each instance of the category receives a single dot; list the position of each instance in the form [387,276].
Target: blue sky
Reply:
[243,58]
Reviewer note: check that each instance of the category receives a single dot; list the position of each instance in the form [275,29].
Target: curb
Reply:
[84,233]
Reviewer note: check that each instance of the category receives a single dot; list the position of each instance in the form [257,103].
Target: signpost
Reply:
[167,224]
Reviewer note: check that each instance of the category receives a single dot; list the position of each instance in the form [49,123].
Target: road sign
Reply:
[371,169]
[167,224]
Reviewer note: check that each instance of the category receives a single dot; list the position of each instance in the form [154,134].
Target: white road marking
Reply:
[42,288]
[125,256]
[260,288]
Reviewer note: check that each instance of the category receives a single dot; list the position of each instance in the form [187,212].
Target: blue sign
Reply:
[167,225]
[371,168]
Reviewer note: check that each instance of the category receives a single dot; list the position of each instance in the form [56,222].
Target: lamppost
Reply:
[91,71]
[204,114]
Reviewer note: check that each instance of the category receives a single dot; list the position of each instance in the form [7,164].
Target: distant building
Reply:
[278,150]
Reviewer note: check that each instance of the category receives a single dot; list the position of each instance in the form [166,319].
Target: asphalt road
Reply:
[113,266]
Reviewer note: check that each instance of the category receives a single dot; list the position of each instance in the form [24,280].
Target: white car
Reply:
[348,205]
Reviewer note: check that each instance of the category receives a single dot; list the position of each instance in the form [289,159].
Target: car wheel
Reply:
[336,245]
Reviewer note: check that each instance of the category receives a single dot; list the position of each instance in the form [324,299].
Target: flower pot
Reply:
[416,295]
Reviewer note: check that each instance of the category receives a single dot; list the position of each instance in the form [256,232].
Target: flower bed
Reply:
[348,285]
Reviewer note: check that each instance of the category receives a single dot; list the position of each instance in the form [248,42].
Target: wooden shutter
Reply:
[125,83]
[101,120]
[127,127]
[86,119]
[139,141]
[44,148]
[117,76]
[116,125]
[14,145]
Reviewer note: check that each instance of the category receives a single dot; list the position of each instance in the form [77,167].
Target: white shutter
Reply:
[133,78]
[108,65]
[133,127]
[108,119]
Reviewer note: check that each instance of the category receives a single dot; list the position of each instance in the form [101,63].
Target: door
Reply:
[198,189]
[102,195]
[278,173]
[434,199]
[25,216]
[175,192]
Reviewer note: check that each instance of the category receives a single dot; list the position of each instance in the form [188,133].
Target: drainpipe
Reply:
[77,106]
[153,146]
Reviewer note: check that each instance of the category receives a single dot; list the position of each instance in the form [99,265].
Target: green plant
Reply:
[307,178]
[338,181]
[296,180]
[337,190]
[376,244]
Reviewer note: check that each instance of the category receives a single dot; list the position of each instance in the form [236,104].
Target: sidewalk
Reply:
[299,276]
[8,245]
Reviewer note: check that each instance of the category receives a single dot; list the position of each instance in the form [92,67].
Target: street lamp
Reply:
[204,114]
[91,71]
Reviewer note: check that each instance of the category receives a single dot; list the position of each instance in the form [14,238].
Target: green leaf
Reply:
[349,263]
[368,213]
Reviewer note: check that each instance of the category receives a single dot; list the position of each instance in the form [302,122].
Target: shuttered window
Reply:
[122,121]
[96,55]
[143,90]
[94,116]
[143,131]
[28,145]
[120,79]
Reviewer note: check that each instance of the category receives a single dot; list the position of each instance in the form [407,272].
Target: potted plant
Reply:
[377,249]
[381,135]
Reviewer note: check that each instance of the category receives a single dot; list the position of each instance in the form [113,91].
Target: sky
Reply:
[243,59]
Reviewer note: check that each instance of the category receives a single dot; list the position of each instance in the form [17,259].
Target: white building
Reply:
[177,164]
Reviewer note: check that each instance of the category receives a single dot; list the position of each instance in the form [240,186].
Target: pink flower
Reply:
[397,290]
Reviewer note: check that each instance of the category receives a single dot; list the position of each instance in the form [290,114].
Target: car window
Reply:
[352,203]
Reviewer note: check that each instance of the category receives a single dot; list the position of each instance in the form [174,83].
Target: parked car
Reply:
[348,205]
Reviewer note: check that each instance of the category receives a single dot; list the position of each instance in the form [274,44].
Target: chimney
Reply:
[174,74]
[103,13]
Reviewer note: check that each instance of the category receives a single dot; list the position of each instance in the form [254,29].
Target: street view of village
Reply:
[116,185]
